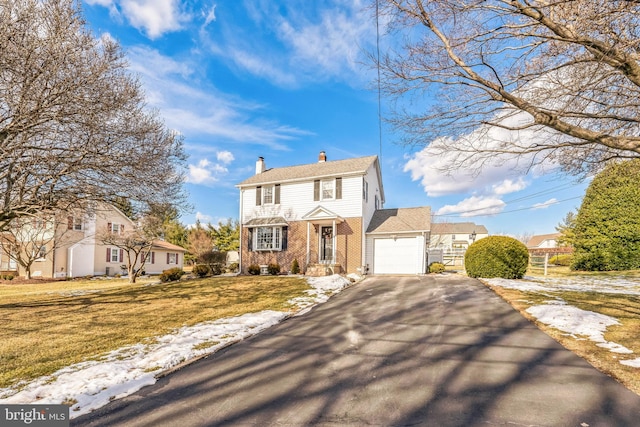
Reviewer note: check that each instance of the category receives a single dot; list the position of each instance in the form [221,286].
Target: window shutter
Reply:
[109,227]
[69,223]
[285,235]
[250,243]
[316,190]
[167,257]
[153,257]
[121,255]
[177,259]
[277,194]
[121,229]
[338,188]
[258,196]
[108,254]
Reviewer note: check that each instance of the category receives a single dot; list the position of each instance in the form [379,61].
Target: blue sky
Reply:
[287,79]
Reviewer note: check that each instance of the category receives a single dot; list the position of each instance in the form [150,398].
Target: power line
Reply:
[378,69]
[530,208]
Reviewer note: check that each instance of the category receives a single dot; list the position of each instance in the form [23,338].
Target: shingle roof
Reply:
[458,228]
[536,241]
[311,171]
[161,244]
[400,220]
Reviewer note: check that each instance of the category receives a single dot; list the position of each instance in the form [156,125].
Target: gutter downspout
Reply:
[241,222]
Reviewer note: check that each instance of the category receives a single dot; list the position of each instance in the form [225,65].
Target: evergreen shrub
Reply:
[273,268]
[253,269]
[436,267]
[171,274]
[201,270]
[497,256]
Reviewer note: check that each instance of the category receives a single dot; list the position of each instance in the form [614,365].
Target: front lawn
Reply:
[46,327]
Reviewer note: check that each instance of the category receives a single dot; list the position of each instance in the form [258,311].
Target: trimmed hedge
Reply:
[436,267]
[253,269]
[273,269]
[201,270]
[171,274]
[497,256]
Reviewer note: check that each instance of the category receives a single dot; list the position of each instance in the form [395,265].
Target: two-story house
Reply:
[73,247]
[329,217]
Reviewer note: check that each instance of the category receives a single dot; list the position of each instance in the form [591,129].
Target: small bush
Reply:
[171,274]
[233,267]
[497,256]
[562,260]
[216,269]
[295,267]
[273,268]
[201,270]
[253,269]
[436,267]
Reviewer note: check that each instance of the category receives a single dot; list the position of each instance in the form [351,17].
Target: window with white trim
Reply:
[172,258]
[117,228]
[40,253]
[267,195]
[115,255]
[327,189]
[267,238]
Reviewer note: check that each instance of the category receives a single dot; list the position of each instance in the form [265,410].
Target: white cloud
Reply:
[509,186]
[205,172]
[170,87]
[225,157]
[474,206]
[204,218]
[546,204]
[155,17]
[210,16]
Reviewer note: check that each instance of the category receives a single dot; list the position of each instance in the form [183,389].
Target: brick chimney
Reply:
[260,165]
[322,157]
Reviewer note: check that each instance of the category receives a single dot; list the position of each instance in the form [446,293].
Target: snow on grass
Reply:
[572,320]
[92,384]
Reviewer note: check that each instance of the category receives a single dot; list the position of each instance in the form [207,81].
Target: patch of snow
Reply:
[572,320]
[124,371]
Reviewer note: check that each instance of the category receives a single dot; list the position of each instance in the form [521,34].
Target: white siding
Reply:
[369,205]
[296,200]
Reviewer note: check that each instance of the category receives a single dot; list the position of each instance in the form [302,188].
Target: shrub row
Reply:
[171,274]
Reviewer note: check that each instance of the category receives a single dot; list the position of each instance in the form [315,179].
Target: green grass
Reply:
[50,326]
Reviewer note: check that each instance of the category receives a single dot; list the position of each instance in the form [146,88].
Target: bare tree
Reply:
[199,241]
[563,73]
[135,245]
[74,127]
[32,239]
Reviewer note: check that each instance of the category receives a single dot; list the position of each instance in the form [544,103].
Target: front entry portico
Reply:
[323,260]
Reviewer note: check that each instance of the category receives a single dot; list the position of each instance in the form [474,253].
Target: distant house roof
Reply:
[458,228]
[400,220]
[311,171]
[537,240]
[161,244]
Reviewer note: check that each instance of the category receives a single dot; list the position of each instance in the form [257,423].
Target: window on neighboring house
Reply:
[115,227]
[268,239]
[172,258]
[115,255]
[74,223]
[150,258]
[40,252]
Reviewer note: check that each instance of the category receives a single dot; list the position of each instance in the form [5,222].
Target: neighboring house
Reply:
[456,235]
[328,216]
[544,241]
[450,240]
[8,265]
[78,250]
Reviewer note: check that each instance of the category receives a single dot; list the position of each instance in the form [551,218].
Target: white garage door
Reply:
[396,256]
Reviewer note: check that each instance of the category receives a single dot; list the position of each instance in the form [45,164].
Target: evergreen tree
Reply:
[607,227]
[226,235]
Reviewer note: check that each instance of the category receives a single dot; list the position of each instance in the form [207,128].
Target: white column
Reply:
[308,243]
[333,253]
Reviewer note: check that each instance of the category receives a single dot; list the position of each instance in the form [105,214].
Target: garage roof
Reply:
[400,220]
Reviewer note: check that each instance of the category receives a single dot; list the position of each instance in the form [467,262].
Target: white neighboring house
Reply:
[456,235]
[544,241]
[79,252]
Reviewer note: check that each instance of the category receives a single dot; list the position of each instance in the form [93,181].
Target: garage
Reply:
[397,240]
[397,256]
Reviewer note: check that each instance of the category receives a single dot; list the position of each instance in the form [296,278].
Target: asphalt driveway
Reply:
[435,350]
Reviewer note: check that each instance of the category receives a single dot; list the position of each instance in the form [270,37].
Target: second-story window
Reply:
[267,195]
[327,189]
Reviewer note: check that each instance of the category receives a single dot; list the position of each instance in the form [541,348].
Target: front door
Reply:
[326,244]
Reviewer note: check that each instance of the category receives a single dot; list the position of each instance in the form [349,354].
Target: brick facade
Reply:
[349,240]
